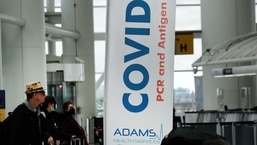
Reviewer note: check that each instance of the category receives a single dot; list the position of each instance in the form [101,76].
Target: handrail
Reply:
[53,30]
[49,29]
[12,20]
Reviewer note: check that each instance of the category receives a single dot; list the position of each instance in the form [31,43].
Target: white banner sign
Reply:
[139,71]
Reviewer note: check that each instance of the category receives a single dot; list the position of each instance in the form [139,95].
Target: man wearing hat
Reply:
[25,121]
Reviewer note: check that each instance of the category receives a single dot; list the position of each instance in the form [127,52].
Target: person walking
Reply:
[53,130]
[69,124]
[25,122]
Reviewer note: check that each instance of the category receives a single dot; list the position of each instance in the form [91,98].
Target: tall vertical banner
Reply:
[139,71]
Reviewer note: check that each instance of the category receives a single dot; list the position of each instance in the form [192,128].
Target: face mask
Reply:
[52,109]
[72,111]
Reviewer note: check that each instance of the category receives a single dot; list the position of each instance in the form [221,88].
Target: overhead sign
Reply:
[184,44]
[139,71]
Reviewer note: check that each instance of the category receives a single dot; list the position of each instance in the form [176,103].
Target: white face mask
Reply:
[52,109]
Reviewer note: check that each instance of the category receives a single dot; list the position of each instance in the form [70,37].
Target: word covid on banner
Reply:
[139,71]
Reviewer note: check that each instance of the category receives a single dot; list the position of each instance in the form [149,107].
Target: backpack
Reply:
[4,129]
[6,125]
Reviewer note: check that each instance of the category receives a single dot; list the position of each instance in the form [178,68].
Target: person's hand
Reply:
[50,140]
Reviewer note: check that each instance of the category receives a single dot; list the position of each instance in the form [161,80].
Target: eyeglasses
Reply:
[42,92]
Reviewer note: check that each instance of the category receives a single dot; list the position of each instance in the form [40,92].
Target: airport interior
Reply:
[61,43]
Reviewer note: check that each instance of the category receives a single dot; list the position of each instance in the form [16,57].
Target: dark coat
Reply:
[70,125]
[52,127]
[25,127]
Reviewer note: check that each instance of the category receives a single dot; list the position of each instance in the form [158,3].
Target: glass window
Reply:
[100,99]
[99,2]
[188,2]
[59,48]
[57,3]
[188,18]
[57,9]
[99,70]
[46,47]
[58,25]
[45,3]
[184,79]
[99,56]
[99,19]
